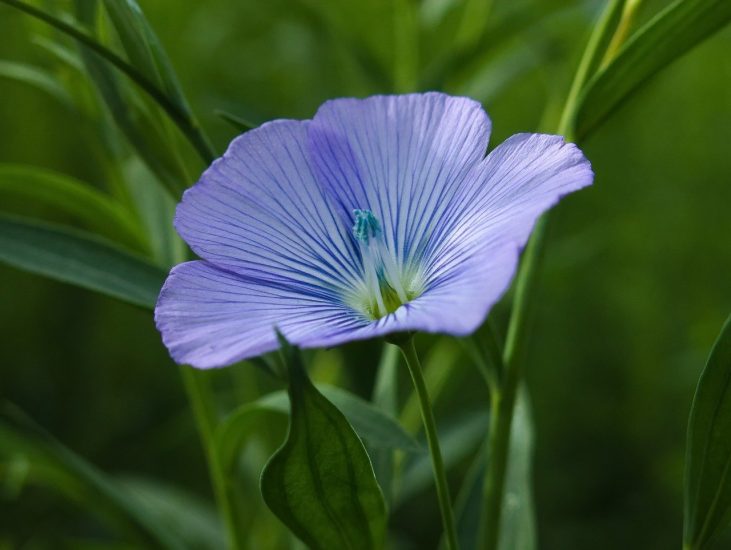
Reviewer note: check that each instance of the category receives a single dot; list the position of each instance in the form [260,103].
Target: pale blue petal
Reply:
[209,317]
[401,157]
[258,211]
[504,195]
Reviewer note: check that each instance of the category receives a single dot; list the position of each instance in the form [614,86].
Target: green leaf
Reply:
[145,131]
[195,521]
[50,464]
[36,77]
[72,197]
[517,529]
[156,209]
[236,121]
[708,451]
[518,526]
[79,258]
[669,35]
[183,119]
[144,49]
[457,442]
[385,398]
[379,430]
[320,483]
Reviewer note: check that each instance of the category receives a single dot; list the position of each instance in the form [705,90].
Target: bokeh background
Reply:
[636,282]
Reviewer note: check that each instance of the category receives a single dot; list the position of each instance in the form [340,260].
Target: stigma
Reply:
[387,286]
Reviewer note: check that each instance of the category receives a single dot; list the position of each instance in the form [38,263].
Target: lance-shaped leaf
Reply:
[672,33]
[320,483]
[69,196]
[517,522]
[50,464]
[37,77]
[80,259]
[708,452]
[187,125]
[144,49]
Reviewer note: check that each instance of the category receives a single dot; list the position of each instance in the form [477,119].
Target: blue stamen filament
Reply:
[384,281]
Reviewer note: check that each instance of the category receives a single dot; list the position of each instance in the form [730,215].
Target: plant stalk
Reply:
[202,402]
[430,428]
[503,402]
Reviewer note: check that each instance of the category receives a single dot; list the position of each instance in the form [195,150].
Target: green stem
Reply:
[502,405]
[503,402]
[202,401]
[427,414]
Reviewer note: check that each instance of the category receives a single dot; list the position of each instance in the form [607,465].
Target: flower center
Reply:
[386,287]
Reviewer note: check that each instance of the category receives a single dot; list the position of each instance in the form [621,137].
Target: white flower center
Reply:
[387,287]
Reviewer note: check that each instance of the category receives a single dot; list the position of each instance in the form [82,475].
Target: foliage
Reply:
[101,139]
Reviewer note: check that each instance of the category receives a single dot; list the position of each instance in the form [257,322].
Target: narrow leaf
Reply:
[320,483]
[193,519]
[672,33]
[517,529]
[55,466]
[185,122]
[36,77]
[72,197]
[143,48]
[458,441]
[236,121]
[156,209]
[708,451]
[79,258]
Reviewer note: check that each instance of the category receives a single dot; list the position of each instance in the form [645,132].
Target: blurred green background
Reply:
[635,286]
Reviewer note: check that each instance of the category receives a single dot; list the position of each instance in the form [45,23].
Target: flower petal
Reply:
[210,317]
[503,197]
[401,157]
[258,211]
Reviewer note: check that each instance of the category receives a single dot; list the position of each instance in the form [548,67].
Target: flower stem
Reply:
[202,403]
[427,414]
[502,405]
[503,402]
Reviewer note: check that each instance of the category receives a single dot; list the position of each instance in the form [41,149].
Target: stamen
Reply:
[382,276]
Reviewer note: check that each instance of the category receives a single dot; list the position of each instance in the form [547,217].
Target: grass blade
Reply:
[672,33]
[80,259]
[93,209]
[185,122]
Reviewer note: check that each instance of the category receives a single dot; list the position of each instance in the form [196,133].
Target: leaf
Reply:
[144,132]
[36,77]
[52,465]
[457,442]
[72,197]
[672,33]
[517,529]
[79,258]
[143,48]
[236,121]
[379,430]
[385,398]
[156,209]
[183,119]
[708,452]
[320,483]
[195,521]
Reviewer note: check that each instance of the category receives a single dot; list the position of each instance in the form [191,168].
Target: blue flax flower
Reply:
[378,215]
